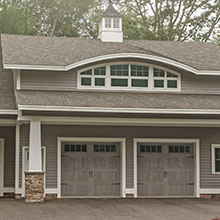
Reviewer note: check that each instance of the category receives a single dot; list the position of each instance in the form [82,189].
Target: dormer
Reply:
[110,27]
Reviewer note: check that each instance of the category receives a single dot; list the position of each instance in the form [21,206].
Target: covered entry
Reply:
[92,168]
[166,169]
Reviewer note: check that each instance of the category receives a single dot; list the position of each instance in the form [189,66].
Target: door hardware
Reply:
[165,173]
[115,183]
[190,184]
[140,183]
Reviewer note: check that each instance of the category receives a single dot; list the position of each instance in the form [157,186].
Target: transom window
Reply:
[215,159]
[136,76]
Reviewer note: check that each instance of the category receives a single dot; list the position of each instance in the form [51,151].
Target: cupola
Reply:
[110,27]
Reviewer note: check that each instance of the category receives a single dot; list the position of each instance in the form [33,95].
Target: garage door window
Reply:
[104,148]
[179,149]
[75,148]
[151,149]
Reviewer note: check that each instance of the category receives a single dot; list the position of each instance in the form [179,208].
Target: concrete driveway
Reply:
[111,209]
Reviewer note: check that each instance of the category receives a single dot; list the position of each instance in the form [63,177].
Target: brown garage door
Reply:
[90,169]
[165,170]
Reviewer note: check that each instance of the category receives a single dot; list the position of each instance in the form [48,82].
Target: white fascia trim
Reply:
[121,121]
[8,112]
[8,122]
[113,56]
[117,110]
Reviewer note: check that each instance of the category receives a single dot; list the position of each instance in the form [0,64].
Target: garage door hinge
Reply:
[190,157]
[115,183]
[64,184]
[140,183]
[115,156]
[191,184]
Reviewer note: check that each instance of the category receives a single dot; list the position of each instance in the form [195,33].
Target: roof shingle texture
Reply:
[7,96]
[61,51]
[111,12]
[118,100]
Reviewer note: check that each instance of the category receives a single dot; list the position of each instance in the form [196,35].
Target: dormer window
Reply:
[134,76]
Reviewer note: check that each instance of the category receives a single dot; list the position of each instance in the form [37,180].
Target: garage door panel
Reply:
[92,171]
[106,190]
[165,170]
[150,189]
[180,190]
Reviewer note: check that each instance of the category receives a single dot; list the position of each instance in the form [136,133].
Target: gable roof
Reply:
[62,51]
[111,11]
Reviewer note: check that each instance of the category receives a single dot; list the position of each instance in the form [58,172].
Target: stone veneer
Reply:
[210,196]
[34,187]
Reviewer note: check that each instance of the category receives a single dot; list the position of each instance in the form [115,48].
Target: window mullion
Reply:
[108,77]
[151,78]
[129,76]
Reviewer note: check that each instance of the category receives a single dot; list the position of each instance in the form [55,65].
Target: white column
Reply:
[35,156]
[17,141]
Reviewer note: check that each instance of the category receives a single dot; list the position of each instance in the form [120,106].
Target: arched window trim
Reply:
[129,87]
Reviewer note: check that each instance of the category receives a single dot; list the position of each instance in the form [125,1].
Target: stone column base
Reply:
[34,187]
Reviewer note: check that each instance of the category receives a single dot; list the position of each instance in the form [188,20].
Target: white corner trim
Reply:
[2,166]
[164,140]
[214,146]
[89,139]
[117,110]
[17,150]
[113,56]
[17,79]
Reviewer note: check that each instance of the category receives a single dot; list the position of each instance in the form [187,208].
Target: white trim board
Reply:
[121,121]
[89,139]
[114,56]
[209,191]
[17,159]
[162,140]
[2,166]
[118,110]
[8,112]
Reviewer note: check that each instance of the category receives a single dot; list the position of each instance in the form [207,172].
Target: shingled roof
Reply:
[111,11]
[63,51]
[121,100]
